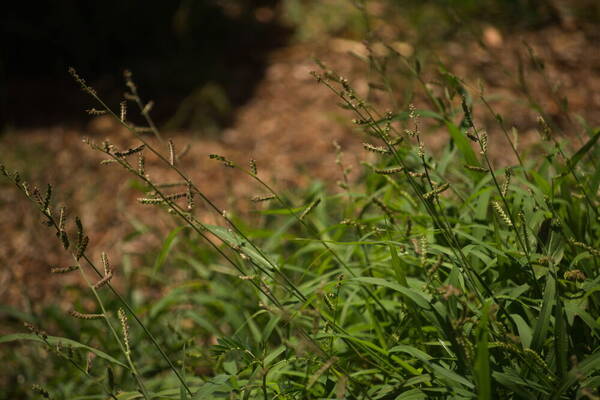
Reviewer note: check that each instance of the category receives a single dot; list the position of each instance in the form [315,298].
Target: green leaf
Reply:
[482,360]
[412,394]
[516,383]
[451,376]
[412,294]
[584,149]
[183,394]
[543,322]
[273,355]
[561,341]
[235,240]
[524,330]
[217,384]
[463,144]
[55,340]
[166,248]
[578,373]
[413,351]
[398,266]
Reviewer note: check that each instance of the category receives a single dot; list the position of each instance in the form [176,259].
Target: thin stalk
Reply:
[134,371]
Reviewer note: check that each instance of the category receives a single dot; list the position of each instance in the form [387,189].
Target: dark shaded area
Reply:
[197,59]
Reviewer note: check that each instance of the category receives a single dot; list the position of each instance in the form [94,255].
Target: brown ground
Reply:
[288,127]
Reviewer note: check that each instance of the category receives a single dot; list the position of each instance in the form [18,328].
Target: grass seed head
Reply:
[82,247]
[82,83]
[131,151]
[141,165]
[385,209]
[41,391]
[94,111]
[105,263]
[171,152]
[310,207]
[435,192]
[576,275]
[123,109]
[225,161]
[483,142]
[64,270]
[36,331]
[104,281]
[260,198]
[501,213]
[189,195]
[64,238]
[376,149]
[388,171]
[125,329]
[85,316]
[543,128]
[150,201]
[476,168]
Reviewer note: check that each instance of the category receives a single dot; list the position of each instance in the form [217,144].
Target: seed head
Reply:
[310,207]
[385,209]
[64,238]
[82,247]
[190,197]
[33,329]
[507,176]
[543,128]
[130,151]
[389,171]
[79,315]
[476,168]
[64,270]
[225,161]
[502,213]
[102,282]
[123,110]
[105,263]
[94,111]
[585,246]
[436,191]
[141,165]
[125,328]
[82,83]
[576,275]
[376,149]
[483,142]
[41,391]
[148,107]
[152,201]
[47,198]
[259,198]
[171,152]
[448,291]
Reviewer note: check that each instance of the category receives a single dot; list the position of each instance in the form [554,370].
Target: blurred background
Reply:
[202,59]
[233,77]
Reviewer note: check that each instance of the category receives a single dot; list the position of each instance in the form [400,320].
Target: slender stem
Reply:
[116,336]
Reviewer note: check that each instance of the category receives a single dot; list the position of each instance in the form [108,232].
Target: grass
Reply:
[433,276]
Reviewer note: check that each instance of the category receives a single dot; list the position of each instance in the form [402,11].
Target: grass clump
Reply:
[433,276]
